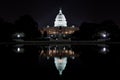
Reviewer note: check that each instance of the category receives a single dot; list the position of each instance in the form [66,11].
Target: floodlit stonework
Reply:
[60,30]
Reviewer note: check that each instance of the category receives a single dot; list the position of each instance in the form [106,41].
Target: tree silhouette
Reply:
[6,30]
[112,28]
[89,31]
[45,34]
[86,31]
[27,25]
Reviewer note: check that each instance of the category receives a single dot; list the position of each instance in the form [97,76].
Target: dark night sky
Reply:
[76,11]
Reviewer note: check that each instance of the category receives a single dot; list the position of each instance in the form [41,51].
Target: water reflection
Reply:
[19,48]
[104,49]
[60,64]
[60,53]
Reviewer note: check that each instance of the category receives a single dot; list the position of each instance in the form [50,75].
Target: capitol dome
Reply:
[60,20]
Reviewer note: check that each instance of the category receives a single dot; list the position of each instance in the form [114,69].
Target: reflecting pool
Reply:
[60,61]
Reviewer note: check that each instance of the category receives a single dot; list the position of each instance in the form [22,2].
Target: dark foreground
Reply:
[24,59]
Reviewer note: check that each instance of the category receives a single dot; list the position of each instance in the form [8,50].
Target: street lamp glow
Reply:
[104,49]
[104,35]
[18,35]
[18,49]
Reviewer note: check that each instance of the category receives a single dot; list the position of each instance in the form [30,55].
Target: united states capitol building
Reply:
[60,30]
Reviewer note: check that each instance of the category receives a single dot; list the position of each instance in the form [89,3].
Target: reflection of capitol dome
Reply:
[60,64]
[60,20]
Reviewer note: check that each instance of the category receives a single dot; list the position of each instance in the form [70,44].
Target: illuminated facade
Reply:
[60,30]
